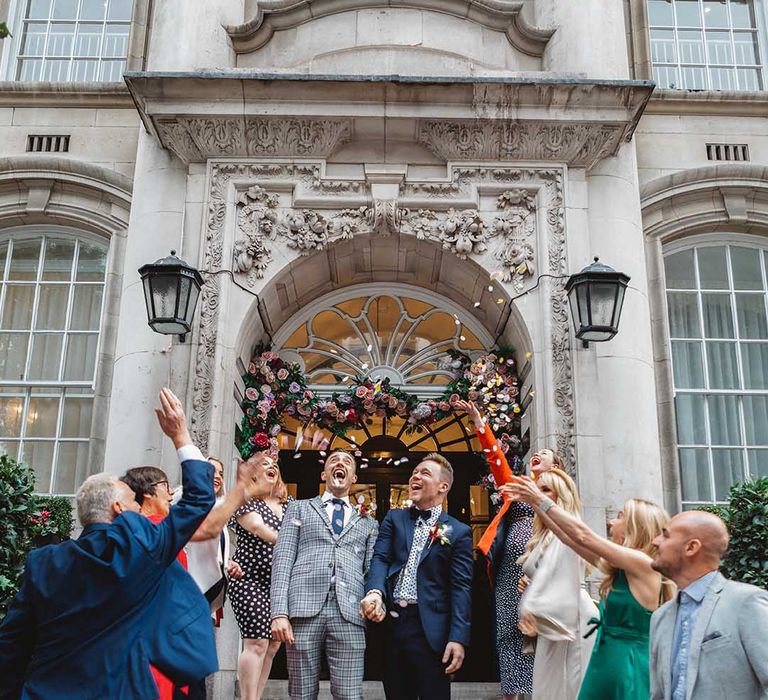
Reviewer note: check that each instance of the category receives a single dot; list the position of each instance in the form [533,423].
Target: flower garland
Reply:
[274,389]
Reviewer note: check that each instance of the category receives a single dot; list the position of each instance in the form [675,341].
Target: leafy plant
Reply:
[53,518]
[17,504]
[746,516]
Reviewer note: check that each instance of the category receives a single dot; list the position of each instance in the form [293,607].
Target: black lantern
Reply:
[596,295]
[171,288]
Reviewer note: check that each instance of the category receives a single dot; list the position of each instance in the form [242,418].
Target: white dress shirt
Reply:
[330,508]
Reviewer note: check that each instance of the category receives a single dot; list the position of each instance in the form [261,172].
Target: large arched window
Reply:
[51,294]
[716,298]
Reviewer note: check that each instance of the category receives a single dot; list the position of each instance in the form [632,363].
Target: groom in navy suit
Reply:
[92,613]
[422,572]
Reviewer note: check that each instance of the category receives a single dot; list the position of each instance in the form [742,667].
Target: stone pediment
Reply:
[500,15]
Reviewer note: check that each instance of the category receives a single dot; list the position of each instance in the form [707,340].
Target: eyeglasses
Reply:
[167,485]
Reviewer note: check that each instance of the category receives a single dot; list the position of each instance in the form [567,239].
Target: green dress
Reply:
[619,667]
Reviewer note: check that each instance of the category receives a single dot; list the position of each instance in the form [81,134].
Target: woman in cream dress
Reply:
[555,608]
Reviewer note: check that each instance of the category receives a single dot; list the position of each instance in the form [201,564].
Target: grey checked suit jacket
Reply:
[307,554]
[728,657]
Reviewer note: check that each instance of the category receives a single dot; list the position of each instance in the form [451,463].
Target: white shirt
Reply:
[330,508]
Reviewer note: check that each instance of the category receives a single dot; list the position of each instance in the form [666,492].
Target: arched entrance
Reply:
[408,336]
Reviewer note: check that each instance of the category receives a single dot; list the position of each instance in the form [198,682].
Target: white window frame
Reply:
[707,241]
[11,46]
[761,19]
[56,232]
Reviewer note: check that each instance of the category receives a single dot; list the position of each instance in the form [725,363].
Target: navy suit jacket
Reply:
[444,579]
[92,613]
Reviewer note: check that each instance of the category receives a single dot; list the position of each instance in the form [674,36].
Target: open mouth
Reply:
[271,474]
[339,473]
[535,461]
[416,487]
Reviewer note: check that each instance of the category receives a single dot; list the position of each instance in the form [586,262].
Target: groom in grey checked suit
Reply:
[319,565]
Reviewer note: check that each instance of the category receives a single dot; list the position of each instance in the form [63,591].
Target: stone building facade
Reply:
[454,152]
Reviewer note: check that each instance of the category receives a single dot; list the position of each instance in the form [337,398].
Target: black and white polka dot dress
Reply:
[250,595]
[515,668]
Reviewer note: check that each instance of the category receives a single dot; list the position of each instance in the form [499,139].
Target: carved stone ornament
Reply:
[527,196]
[581,145]
[198,139]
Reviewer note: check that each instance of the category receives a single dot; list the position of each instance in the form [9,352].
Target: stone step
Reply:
[373,690]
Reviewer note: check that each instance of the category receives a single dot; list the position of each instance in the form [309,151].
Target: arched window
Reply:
[51,294]
[716,299]
[396,332]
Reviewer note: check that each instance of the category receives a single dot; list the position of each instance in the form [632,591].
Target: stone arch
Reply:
[726,198]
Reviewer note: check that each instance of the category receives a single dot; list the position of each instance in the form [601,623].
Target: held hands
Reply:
[282,631]
[372,608]
[522,584]
[172,420]
[471,410]
[234,570]
[453,656]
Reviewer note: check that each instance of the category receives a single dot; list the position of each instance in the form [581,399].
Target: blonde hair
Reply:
[565,495]
[643,522]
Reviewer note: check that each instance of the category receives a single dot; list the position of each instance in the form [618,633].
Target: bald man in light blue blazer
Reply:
[710,642]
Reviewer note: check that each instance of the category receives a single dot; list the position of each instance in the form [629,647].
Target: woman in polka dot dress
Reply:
[256,525]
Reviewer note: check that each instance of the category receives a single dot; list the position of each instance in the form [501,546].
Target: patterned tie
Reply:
[337,519]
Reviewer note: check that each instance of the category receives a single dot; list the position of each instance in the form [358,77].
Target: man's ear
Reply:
[444,487]
[322,475]
[354,478]
[692,547]
[117,508]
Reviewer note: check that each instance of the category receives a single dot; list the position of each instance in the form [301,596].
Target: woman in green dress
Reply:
[630,592]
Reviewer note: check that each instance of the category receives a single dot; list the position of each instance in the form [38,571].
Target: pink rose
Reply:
[361,392]
[369,394]
[251,394]
[454,398]
[393,402]
[444,406]
[472,395]
[401,407]
[368,405]
[282,374]
[331,408]
[252,368]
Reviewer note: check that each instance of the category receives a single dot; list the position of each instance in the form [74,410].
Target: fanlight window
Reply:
[386,335]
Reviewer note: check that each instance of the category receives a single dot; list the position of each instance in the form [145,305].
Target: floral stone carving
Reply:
[257,217]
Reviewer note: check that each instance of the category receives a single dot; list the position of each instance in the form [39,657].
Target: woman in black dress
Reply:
[256,525]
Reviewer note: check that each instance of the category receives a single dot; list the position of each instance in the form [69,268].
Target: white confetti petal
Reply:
[297,523]
[394,613]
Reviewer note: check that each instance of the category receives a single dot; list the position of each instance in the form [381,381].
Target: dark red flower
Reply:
[260,440]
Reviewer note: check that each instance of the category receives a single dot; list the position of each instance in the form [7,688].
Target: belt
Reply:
[405,603]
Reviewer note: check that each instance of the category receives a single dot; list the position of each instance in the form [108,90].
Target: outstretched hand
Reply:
[453,656]
[172,420]
[522,488]
[471,410]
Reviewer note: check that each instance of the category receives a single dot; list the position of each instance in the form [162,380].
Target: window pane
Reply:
[742,14]
[56,71]
[81,357]
[718,320]
[688,13]
[694,78]
[116,40]
[42,417]
[39,456]
[34,38]
[722,365]
[758,463]
[64,9]
[750,310]
[723,78]
[756,419]
[687,365]
[112,71]
[663,47]
[754,364]
[679,270]
[58,260]
[77,417]
[85,70]
[92,9]
[750,79]
[694,475]
[60,38]
[88,41]
[745,265]
[120,10]
[13,355]
[728,466]
[715,13]
[666,76]
[46,356]
[71,461]
[683,315]
[691,420]
[691,46]
[724,420]
[9,447]
[91,263]
[719,49]
[713,271]
[30,69]
[52,307]
[660,13]
[39,9]
[11,412]
[18,306]
[24,260]
[3,256]
[86,309]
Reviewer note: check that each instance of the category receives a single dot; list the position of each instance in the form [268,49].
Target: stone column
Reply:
[143,357]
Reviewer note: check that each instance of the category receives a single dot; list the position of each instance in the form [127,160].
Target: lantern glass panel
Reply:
[194,292]
[164,290]
[148,296]
[603,298]
[573,299]
[619,304]
[184,284]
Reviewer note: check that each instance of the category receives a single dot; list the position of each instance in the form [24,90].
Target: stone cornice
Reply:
[41,94]
[500,15]
[708,103]
[234,114]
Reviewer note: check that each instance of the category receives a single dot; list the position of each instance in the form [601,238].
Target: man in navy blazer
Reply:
[422,572]
[92,613]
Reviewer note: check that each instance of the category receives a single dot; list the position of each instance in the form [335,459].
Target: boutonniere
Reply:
[364,509]
[439,533]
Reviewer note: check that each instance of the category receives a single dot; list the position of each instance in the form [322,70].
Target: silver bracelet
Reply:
[546,504]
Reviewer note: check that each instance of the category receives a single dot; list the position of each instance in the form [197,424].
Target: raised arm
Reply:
[577,534]
[500,469]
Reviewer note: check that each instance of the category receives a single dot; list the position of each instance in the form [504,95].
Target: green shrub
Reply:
[26,521]
[17,505]
[746,516]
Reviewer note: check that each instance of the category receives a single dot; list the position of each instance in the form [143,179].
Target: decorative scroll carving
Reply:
[196,139]
[384,216]
[581,145]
